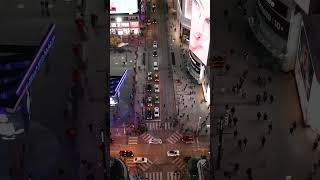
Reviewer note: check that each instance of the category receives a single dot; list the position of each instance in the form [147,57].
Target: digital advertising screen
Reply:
[200,29]
[187,8]
[123,6]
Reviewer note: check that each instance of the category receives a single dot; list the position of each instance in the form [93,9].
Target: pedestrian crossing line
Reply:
[132,140]
[129,162]
[157,126]
[173,176]
[145,166]
[153,176]
[146,137]
[175,137]
[179,163]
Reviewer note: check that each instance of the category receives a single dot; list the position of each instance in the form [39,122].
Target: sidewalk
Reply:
[283,154]
[184,85]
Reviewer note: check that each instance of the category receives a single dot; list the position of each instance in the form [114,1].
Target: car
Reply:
[173,153]
[140,160]
[155,54]
[149,76]
[153,7]
[149,114]
[156,77]
[154,21]
[149,101]
[148,21]
[149,88]
[156,99]
[156,88]
[126,153]
[188,139]
[154,44]
[155,141]
[155,66]
[156,112]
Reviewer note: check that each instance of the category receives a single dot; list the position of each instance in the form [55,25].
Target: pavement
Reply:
[283,154]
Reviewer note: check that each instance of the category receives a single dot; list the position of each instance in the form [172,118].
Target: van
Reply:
[155,66]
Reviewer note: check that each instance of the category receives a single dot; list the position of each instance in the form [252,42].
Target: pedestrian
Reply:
[249,172]
[236,167]
[259,115]
[245,141]
[60,171]
[259,80]
[235,120]
[269,128]
[263,141]
[294,125]
[229,121]
[315,145]
[90,126]
[227,67]
[235,134]
[42,7]
[234,89]
[269,79]
[258,98]
[226,108]
[225,13]
[271,98]
[46,7]
[240,144]
[233,110]
[94,19]
[265,96]
[265,116]
[291,130]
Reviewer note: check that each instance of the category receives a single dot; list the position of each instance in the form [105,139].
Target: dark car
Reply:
[154,21]
[149,114]
[149,88]
[155,54]
[126,153]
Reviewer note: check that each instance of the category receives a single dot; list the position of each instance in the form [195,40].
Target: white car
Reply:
[173,153]
[156,88]
[149,75]
[156,112]
[155,141]
[155,66]
[140,160]
[149,101]
[155,44]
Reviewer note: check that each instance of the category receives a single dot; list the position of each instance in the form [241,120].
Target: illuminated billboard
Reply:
[123,6]
[200,29]
[187,8]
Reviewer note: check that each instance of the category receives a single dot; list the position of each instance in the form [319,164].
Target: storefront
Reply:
[195,67]
[276,26]
[124,28]
[307,70]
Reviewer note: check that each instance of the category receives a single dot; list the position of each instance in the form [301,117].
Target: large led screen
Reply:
[200,29]
[123,6]
[187,8]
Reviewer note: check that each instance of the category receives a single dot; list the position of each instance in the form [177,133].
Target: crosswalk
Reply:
[145,166]
[173,176]
[154,126]
[175,137]
[133,140]
[130,164]
[146,137]
[180,163]
[153,176]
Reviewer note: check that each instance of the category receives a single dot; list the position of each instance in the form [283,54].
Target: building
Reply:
[124,18]
[184,11]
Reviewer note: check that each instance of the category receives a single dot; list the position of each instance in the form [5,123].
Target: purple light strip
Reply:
[121,80]
[34,60]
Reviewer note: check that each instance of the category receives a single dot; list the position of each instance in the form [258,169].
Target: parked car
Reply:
[126,153]
[156,112]
[156,77]
[155,141]
[188,139]
[156,88]
[140,160]
[148,21]
[154,44]
[155,66]
[149,101]
[173,153]
[156,99]
[149,76]
[149,114]
[149,88]
[155,53]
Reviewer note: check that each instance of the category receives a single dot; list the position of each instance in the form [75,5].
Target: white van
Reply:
[155,66]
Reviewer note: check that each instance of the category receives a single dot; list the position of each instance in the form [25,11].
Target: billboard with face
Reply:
[304,60]
[200,29]
[123,6]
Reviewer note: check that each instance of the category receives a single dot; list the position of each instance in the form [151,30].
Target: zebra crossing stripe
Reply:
[153,175]
[173,176]
[175,137]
